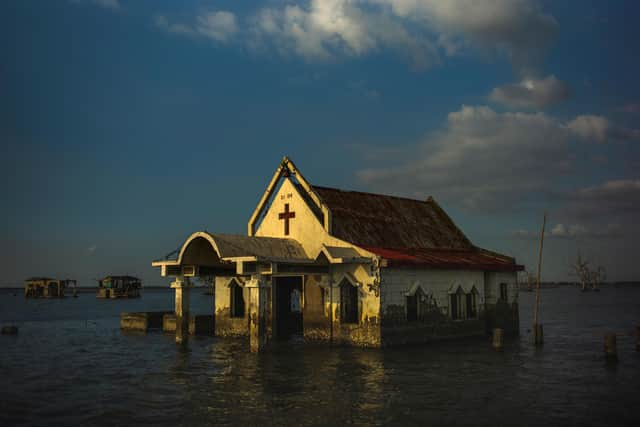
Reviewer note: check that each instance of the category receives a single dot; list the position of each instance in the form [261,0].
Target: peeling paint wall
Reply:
[316,322]
[225,324]
[366,332]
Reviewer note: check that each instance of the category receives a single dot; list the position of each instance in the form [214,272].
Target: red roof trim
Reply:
[446,259]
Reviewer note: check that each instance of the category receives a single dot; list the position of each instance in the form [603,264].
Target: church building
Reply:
[345,267]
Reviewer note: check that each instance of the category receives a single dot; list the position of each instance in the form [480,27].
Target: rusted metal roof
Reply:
[406,232]
[375,220]
[473,259]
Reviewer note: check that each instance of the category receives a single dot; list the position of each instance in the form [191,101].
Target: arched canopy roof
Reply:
[208,249]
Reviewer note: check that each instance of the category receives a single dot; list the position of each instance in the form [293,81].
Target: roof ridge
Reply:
[322,187]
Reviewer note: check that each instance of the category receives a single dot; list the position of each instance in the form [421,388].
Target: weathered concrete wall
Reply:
[198,324]
[435,322]
[502,313]
[365,333]
[142,321]
[225,325]
[492,286]
[316,322]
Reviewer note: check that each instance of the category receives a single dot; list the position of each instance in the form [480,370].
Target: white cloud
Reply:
[163,23]
[531,93]
[590,127]
[216,25]
[325,29]
[487,160]
[600,129]
[481,160]
[320,30]
[518,26]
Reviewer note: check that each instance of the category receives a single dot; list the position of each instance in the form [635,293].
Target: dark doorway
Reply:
[287,301]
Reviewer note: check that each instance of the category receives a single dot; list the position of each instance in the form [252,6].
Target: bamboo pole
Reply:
[537,327]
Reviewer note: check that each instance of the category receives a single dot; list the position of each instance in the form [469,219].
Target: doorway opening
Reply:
[287,307]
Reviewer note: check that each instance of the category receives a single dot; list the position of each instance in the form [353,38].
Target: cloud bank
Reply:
[423,31]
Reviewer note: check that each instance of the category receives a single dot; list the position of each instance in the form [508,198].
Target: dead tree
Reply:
[580,268]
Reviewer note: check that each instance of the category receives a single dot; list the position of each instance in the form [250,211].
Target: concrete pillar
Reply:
[498,333]
[258,312]
[182,287]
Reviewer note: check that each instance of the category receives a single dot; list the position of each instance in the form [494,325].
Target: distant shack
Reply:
[46,287]
[119,287]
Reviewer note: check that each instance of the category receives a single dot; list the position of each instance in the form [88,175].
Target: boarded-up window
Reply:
[348,302]
[237,300]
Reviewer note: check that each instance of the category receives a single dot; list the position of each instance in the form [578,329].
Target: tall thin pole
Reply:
[537,304]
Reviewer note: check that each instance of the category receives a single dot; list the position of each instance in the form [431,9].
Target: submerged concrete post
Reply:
[610,346]
[182,287]
[498,333]
[258,312]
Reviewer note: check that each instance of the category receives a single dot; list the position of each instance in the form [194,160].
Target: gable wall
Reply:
[305,227]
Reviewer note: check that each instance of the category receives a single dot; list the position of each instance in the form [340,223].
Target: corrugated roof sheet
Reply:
[375,220]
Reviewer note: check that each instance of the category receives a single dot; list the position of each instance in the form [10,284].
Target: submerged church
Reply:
[345,267]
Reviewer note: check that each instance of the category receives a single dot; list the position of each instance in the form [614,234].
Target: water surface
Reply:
[71,365]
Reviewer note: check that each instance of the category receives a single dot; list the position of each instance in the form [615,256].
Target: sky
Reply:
[127,125]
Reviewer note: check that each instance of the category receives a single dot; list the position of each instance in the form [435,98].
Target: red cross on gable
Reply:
[286,215]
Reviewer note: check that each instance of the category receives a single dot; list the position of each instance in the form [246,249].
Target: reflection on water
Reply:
[71,365]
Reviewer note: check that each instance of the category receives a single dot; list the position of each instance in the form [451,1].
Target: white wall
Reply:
[492,287]
[438,283]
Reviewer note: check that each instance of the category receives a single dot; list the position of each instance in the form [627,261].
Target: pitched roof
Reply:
[406,232]
[374,220]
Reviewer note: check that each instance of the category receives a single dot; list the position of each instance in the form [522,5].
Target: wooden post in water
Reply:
[610,347]
[538,336]
[638,338]
[498,333]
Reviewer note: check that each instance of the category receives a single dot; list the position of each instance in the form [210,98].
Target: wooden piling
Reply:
[537,338]
[610,346]
[498,334]
[638,338]
[538,335]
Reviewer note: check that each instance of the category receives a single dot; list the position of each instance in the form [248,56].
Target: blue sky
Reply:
[126,125]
